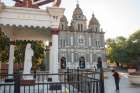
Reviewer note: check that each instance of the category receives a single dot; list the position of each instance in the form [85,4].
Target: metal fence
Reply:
[70,81]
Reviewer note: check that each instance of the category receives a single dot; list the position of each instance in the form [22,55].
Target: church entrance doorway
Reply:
[82,62]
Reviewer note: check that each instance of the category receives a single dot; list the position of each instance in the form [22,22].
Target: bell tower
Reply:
[94,24]
[63,23]
[78,22]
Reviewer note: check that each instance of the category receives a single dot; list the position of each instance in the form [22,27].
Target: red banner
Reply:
[41,2]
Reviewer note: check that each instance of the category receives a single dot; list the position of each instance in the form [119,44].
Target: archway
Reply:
[99,62]
[63,63]
[82,62]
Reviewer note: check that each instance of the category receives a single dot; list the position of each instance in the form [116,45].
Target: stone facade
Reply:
[78,40]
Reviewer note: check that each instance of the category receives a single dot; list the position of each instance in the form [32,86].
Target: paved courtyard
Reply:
[125,86]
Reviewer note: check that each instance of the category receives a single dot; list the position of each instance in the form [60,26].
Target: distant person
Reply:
[117,79]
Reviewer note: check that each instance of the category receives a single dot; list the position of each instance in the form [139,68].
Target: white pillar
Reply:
[91,63]
[11,61]
[54,57]
[90,58]
[72,61]
[50,60]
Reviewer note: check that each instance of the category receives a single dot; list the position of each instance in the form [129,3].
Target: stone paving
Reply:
[125,86]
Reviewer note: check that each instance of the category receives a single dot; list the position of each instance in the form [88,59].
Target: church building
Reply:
[80,45]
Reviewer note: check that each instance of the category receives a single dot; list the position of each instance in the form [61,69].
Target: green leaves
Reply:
[20,46]
[124,50]
[116,49]
[4,48]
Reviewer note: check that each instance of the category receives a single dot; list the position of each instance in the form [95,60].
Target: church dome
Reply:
[78,11]
[63,19]
[93,21]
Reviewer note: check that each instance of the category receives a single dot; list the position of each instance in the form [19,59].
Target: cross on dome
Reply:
[77,1]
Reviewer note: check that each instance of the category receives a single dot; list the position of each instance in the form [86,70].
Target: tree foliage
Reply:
[37,46]
[133,47]
[4,48]
[124,51]
[116,50]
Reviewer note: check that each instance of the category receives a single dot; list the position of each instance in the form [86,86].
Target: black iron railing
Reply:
[70,81]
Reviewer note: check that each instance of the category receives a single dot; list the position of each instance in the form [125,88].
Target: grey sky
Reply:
[117,17]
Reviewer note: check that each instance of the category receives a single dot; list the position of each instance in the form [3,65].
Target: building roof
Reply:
[93,21]
[77,11]
[63,19]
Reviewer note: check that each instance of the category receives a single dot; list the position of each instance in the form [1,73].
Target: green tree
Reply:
[124,51]
[116,50]
[4,47]
[20,46]
[38,59]
[38,48]
[110,43]
[133,48]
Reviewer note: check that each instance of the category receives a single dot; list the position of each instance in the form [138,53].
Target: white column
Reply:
[91,60]
[71,40]
[72,59]
[89,41]
[50,60]
[55,65]
[11,61]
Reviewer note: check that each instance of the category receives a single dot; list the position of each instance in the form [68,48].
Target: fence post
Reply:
[68,75]
[17,82]
[102,81]
[78,79]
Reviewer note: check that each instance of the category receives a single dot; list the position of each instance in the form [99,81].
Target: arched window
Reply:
[99,62]
[98,44]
